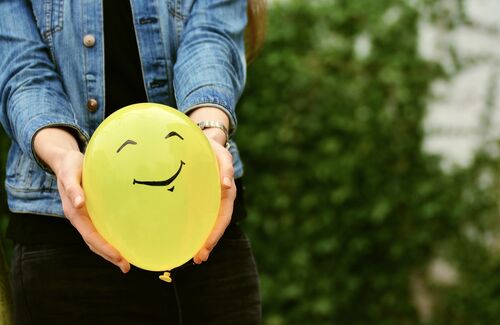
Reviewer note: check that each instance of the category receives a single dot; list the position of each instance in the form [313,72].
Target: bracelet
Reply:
[218,125]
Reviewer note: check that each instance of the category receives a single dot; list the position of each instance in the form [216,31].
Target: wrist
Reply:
[217,135]
[215,130]
[214,122]
[52,145]
[60,155]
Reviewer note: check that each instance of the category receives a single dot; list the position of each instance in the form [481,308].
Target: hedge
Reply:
[346,211]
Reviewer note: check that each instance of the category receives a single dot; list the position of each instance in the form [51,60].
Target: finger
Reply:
[226,182]
[96,251]
[72,197]
[97,244]
[223,221]
[225,163]
[75,193]
[228,194]
[80,220]
[211,242]
[70,182]
[213,239]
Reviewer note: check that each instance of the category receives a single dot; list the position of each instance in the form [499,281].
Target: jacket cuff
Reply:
[40,122]
[212,96]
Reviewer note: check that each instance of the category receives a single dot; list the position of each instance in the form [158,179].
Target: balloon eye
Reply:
[124,144]
[173,134]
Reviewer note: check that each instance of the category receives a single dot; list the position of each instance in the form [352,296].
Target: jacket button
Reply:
[89,40]
[92,105]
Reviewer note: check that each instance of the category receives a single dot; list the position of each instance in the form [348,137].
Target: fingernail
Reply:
[123,266]
[226,181]
[78,200]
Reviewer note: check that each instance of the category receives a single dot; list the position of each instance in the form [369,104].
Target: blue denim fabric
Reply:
[192,54]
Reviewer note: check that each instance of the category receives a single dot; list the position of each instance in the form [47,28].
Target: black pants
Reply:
[68,284]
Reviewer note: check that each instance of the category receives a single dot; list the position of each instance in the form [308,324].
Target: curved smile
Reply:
[162,183]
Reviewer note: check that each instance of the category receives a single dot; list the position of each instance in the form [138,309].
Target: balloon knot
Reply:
[166,277]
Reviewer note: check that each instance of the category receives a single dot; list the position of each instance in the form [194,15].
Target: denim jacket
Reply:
[52,74]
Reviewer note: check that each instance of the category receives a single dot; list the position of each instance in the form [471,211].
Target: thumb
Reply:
[227,181]
[75,194]
[70,181]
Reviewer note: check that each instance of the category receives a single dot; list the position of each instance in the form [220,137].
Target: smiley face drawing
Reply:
[151,183]
[157,183]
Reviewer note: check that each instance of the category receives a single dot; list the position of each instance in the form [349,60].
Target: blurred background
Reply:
[370,136]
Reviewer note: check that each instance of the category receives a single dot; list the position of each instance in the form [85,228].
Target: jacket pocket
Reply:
[24,175]
[49,16]
[179,11]
[178,8]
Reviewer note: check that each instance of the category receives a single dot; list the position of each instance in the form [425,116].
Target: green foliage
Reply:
[5,302]
[344,207]
[5,246]
[475,251]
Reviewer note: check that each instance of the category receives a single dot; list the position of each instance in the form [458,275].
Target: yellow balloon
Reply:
[152,185]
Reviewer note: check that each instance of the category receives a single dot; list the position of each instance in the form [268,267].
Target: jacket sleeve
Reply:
[31,93]
[210,69]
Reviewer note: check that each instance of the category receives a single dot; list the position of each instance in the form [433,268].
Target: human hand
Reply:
[58,149]
[228,195]
[217,139]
